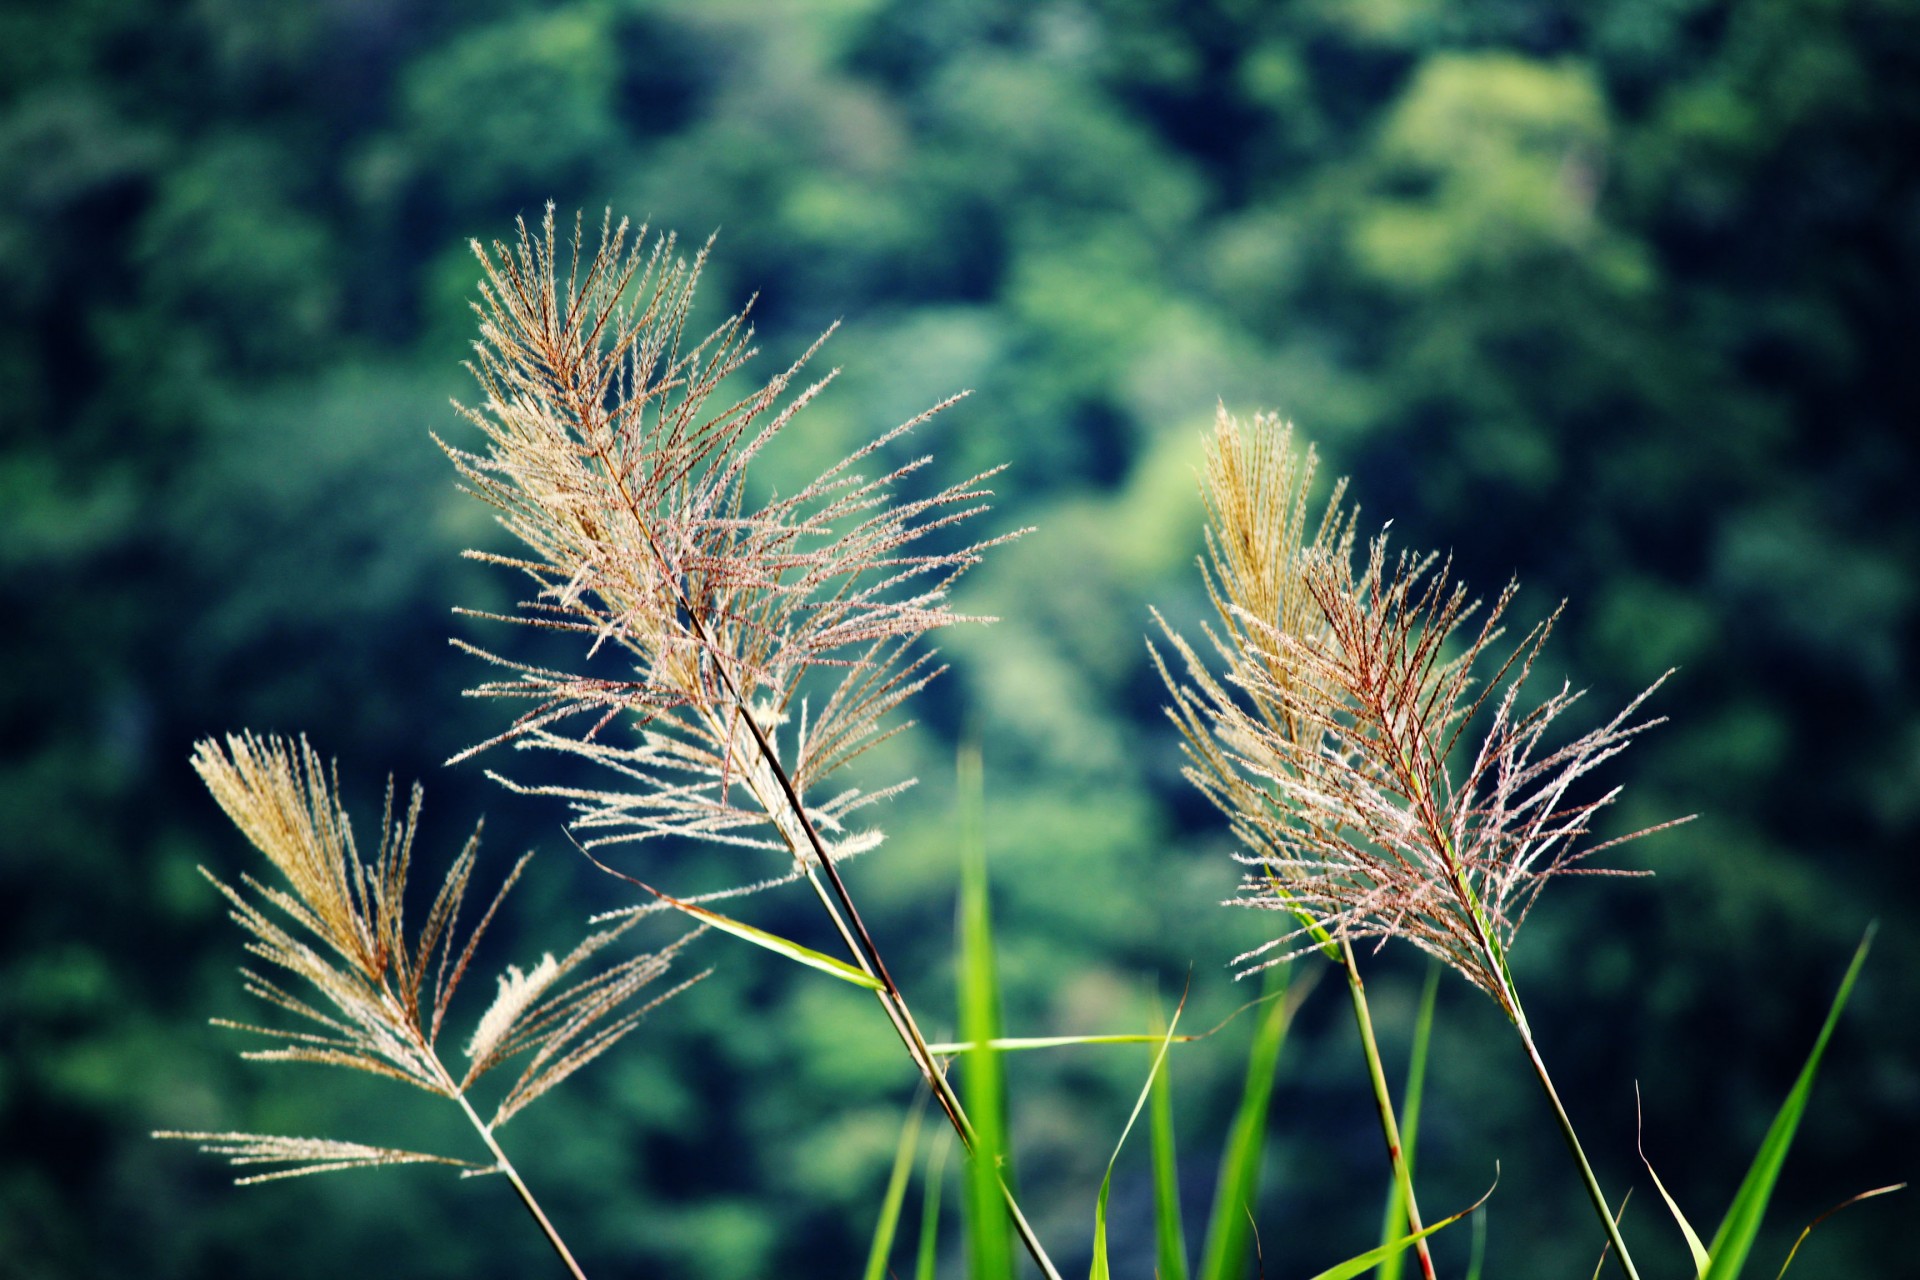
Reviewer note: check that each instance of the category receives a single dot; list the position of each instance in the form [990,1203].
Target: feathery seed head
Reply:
[385,992]
[611,453]
[517,991]
[1330,738]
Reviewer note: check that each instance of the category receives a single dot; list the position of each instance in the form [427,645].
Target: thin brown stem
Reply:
[867,955]
[1383,1103]
[520,1187]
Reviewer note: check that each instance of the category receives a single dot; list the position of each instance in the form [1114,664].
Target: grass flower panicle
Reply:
[752,647]
[1331,743]
[609,455]
[385,996]
[1331,740]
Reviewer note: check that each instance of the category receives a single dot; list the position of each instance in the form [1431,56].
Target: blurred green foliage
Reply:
[1617,296]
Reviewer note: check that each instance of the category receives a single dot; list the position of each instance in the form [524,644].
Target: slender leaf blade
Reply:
[1734,1238]
[1169,1232]
[1380,1253]
[1477,1258]
[759,937]
[1410,1100]
[1229,1232]
[1016,1044]
[1849,1201]
[926,1264]
[1600,1263]
[1100,1271]
[896,1195]
[778,945]
[1698,1251]
[982,1082]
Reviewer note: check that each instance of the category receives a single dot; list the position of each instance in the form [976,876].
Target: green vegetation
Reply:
[1616,297]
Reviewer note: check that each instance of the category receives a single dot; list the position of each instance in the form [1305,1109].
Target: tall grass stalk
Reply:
[339,927]
[1397,1155]
[1331,741]
[1412,1097]
[609,456]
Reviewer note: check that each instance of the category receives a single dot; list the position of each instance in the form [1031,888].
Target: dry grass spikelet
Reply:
[339,928]
[615,454]
[1334,733]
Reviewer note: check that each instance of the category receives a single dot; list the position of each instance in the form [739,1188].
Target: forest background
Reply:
[1616,296]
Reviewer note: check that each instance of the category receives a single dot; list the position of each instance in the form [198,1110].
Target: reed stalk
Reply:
[631,496]
[1383,1104]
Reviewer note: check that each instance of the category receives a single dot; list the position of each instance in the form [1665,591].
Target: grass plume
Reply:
[614,456]
[1330,740]
[704,615]
[1334,742]
[339,928]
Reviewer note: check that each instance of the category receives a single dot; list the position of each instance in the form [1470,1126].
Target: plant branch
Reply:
[815,859]
[1383,1103]
[1591,1183]
[520,1187]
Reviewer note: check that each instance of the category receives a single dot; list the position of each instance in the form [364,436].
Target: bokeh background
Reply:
[1618,297]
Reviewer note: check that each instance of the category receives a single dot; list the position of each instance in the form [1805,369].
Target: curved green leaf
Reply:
[1734,1238]
[1229,1231]
[896,1196]
[1380,1253]
[1100,1271]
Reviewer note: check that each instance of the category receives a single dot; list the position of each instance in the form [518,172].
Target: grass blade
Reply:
[982,1081]
[1600,1263]
[1014,1044]
[927,1263]
[1701,1261]
[1100,1271]
[1410,1100]
[1380,1253]
[778,945]
[1478,1256]
[1735,1236]
[1229,1229]
[1170,1234]
[896,1197]
[758,937]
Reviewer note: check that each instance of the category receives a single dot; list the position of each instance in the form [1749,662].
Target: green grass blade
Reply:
[927,1263]
[778,945]
[1100,1271]
[1015,1044]
[1229,1231]
[1735,1236]
[1170,1234]
[1380,1253]
[1477,1258]
[1410,1100]
[1699,1251]
[896,1197]
[982,1081]
[758,937]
